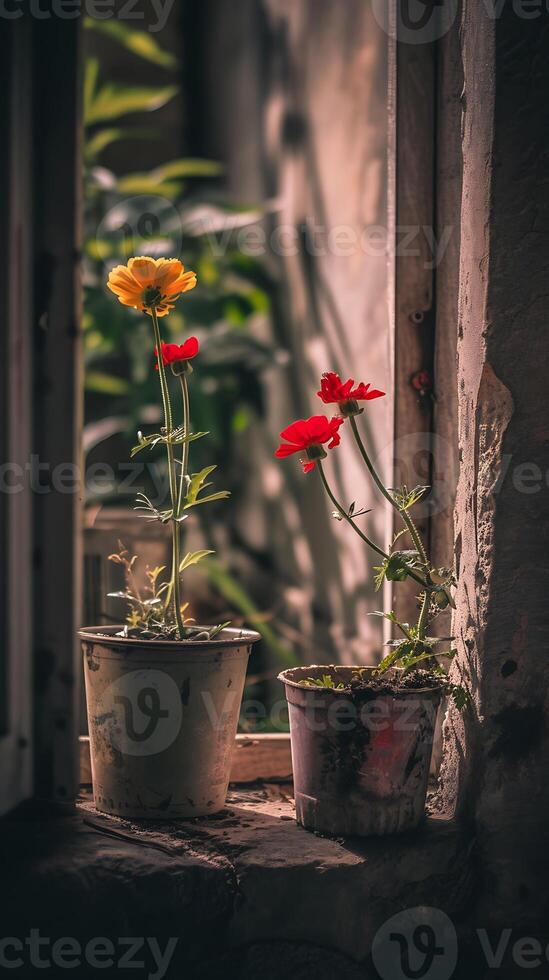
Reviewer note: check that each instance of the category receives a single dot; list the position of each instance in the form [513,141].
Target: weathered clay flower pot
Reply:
[162,719]
[360,758]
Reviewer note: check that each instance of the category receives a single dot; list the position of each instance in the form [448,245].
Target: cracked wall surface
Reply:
[497,755]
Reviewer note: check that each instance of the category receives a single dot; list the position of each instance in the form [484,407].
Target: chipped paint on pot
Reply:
[360,759]
[162,719]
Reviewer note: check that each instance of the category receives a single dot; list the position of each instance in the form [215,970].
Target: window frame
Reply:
[16,420]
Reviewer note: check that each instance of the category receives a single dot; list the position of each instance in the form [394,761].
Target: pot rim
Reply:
[345,693]
[106,635]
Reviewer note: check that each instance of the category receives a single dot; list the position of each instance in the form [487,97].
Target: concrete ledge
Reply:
[227,886]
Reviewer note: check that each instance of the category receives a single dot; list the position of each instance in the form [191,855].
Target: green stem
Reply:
[422,622]
[345,515]
[185,450]
[408,522]
[174,590]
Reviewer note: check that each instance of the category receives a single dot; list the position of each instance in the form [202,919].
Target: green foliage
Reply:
[106,101]
[326,681]
[193,558]
[141,43]
[396,568]
[176,438]
[144,606]
[405,499]
[146,617]
[459,695]
[224,582]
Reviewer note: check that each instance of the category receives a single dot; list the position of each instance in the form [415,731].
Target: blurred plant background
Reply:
[173,208]
[237,118]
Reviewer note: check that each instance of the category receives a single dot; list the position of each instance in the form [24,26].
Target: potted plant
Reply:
[163,694]
[362,736]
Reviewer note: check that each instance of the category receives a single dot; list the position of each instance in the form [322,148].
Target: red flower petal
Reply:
[287,450]
[189,349]
[334,391]
[175,352]
[309,432]
[297,433]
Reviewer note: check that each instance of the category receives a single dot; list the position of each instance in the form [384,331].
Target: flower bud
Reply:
[181,367]
[349,408]
[316,452]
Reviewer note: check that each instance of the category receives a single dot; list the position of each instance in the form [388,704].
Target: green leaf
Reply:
[104,137]
[167,179]
[413,661]
[106,384]
[220,495]
[405,498]
[91,74]
[188,167]
[384,615]
[196,483]
[141,43]
[392,658]
[326,681]
[395,568]
[216,630]
[192,558]
[177,438]
[460,696]
[148,184]
[112,101]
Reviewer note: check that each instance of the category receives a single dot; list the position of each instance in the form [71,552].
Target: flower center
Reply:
[152,296]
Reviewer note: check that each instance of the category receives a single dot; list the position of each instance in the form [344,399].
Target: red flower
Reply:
[308,435]
[175,352]
[334,390]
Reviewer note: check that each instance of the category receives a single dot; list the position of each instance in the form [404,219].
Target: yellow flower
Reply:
[145,283]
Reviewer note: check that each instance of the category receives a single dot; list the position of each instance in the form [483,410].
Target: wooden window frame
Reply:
[16,420]
[264,757]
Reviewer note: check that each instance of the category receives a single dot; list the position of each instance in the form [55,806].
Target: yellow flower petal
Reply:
[143,269]
[182,284]
[167,277]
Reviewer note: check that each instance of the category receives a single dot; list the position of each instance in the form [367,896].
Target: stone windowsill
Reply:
[226,885]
